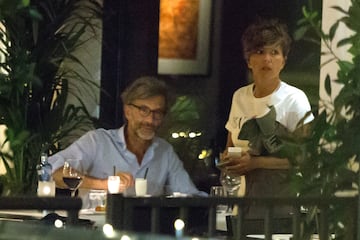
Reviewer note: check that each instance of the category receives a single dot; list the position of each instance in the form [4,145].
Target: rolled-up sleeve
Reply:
[178,178]
[83,148]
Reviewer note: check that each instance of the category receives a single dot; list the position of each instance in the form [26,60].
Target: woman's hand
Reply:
[224,160]
[239,165]
[247,162]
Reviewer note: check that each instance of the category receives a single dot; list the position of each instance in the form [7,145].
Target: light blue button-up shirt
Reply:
[99,151]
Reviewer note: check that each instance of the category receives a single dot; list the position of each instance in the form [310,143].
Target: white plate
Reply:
[91,212]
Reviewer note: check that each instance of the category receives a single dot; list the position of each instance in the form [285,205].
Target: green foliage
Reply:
[37,38]
[336,130]
[183,118]
[332,148]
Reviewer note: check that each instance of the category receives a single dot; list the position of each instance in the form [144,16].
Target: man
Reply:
[132,150]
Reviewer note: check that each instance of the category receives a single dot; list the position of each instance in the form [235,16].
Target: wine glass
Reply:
[71,177]
[231,184]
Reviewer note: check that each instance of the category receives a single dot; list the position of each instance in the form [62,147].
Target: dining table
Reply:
[48,210]
[91,218]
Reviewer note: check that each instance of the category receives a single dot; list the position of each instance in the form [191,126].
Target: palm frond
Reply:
[34,84]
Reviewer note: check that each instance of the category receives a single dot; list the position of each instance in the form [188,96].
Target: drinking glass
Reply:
[113,184]
[218,191]
[97,199]
[140,186]
[71,177]
[231,183]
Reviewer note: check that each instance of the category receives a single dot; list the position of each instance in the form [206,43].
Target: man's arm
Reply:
[179,179]
[126,180]
[88,182]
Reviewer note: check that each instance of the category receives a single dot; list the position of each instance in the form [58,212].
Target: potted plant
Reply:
[37,37]
[330,150]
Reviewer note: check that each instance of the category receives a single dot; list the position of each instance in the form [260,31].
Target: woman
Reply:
[262,109]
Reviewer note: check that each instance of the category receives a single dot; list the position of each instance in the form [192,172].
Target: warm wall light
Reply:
[204,154]
[182,134]
[192,135]
[186,135]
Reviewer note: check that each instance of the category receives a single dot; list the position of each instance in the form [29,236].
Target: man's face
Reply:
[145,116]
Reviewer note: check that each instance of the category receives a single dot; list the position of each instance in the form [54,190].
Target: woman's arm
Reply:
[245,163]
[229,143]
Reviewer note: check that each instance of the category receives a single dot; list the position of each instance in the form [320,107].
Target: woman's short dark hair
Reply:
[145,87]
[265,32]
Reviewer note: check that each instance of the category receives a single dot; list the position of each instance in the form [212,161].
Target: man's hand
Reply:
[126,180]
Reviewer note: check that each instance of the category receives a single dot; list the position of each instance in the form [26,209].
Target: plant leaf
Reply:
[328,85]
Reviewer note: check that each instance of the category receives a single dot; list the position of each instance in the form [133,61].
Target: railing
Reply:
[71,205]
[121,211]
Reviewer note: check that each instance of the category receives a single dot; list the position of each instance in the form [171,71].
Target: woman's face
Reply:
[266,63]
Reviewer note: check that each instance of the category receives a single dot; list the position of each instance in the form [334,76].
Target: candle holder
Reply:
[46,189]
[113,184]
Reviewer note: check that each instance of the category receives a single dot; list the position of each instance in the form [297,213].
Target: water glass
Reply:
[218,191]
[231,183]
[97,199]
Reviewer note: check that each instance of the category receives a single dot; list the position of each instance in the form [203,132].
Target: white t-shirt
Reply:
[291,105]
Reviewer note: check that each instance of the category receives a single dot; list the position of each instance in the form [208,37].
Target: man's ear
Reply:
[126,109]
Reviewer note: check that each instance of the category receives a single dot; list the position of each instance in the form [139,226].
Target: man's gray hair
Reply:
[145,87]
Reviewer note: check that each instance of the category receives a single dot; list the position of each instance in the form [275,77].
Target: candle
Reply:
[46,189]
[179,228]
[114,184]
